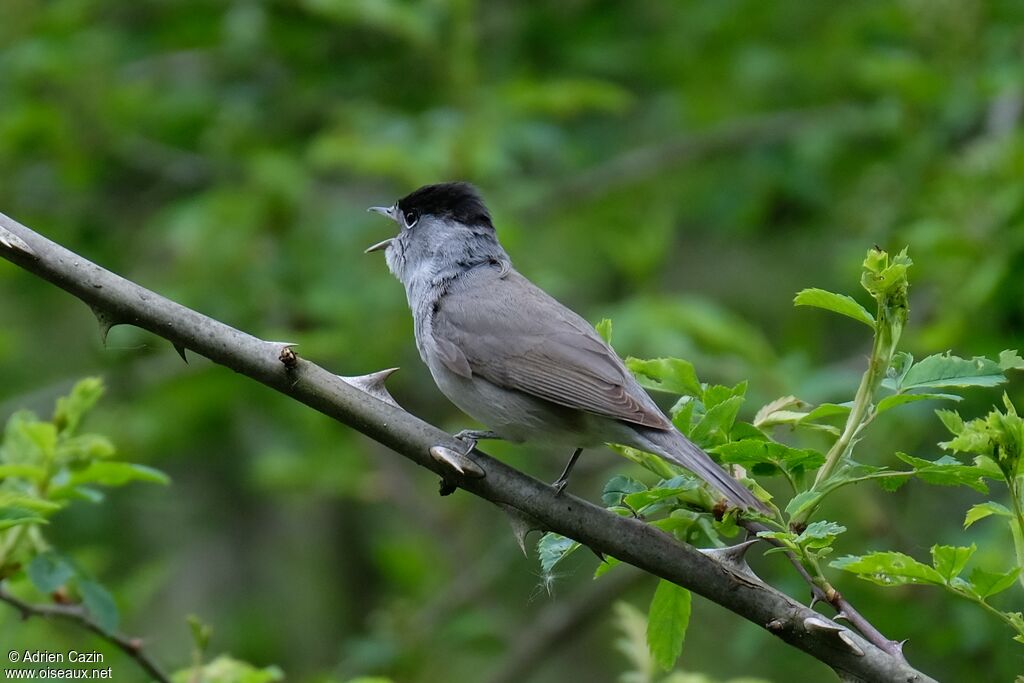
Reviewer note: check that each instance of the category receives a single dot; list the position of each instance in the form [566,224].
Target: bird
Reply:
[511,356]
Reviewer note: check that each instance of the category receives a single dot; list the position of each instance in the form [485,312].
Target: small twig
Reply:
[834,598]
[130,646]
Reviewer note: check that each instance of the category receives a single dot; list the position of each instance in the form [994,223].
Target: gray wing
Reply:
[509,332]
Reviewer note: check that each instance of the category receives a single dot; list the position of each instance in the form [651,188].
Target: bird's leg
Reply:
[563,479]
[471,436]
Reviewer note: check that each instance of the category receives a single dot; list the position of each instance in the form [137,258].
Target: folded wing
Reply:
[533,344]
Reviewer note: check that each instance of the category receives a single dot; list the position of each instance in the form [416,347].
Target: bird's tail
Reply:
[676,448]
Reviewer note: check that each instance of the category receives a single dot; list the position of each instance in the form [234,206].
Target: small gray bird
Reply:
[511,356]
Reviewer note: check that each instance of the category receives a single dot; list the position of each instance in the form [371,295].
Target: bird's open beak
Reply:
[390,212]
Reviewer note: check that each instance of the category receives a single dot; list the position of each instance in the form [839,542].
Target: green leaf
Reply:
[74,406]
[31,473]
[682,414]
[983,510]
[752,452]
[783,403]
[986,583]
[618,487]
[28,441]
[714,427]
[672,375]
[606,566]
[947,471]
[837,303]
[951,420]
[17,516]
[820,534]
[553,548]
[714,394]
[890,402]
[643,500]
[667,621]
[201,632]
[1010,360]
[226,669]
[802,502]
[49,571]
[99,603]
[604,328]
[85,447]
[889,569]
[110,473]
[945,370]
[949,560]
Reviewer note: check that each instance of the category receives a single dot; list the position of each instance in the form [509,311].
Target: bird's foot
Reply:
[563,479]
[471,436]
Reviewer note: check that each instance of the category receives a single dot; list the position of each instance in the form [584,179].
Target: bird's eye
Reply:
[410,218]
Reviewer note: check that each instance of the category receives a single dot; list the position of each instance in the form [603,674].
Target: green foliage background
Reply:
[680,167]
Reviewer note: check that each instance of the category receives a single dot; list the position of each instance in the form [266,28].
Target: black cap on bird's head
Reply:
[457,201]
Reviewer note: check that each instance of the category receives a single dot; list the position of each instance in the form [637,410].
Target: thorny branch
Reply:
[365,406]
[75,614]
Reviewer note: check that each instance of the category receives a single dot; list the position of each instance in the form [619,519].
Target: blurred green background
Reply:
[680,167]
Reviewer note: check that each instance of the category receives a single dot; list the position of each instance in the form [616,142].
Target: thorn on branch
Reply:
[106,321]
[734,557]
[459,462]
[522,525]
[373,384]
[819,624]
[850,643]
[181,352]
[15,243]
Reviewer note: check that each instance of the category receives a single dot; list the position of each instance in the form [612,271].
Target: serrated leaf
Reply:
[618,487]
[983,510]
[604,328]
[1010,360]
[781,403]
[714,427]
[752,452]
[820,534]
[946,370]
[950,560]
[49,571]
[553,548]
[714,394]
[682,414]
[837,303]
[951,420]
[100,604]
[672,375]
[947,471]
[889,569]
[802,502]
[890,402]
[667,620]
[986,583]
